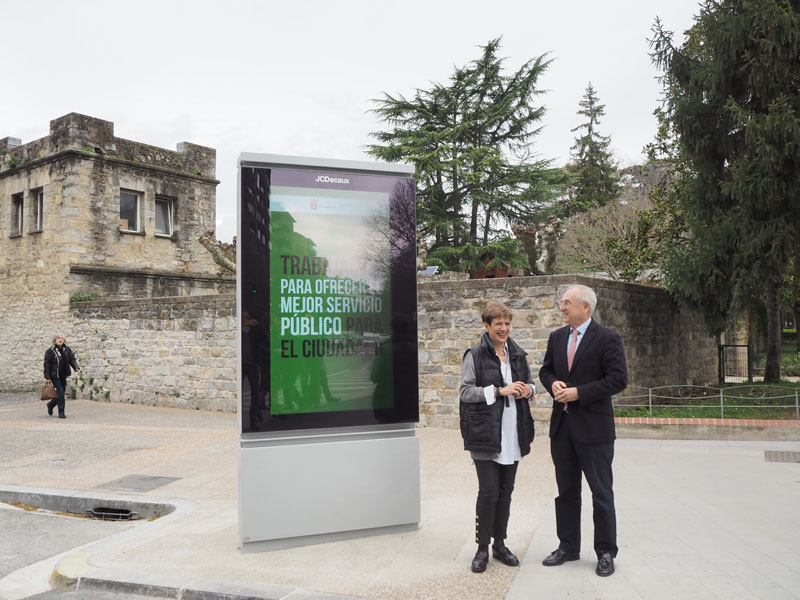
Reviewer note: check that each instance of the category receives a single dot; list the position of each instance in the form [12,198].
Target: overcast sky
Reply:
[297,77]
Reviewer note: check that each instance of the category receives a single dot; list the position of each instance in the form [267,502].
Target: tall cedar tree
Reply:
[732,95]
[594,171]
[470,143]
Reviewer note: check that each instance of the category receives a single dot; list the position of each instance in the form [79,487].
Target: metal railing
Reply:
[704,398]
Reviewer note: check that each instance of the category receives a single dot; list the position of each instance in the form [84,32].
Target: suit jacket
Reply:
[598,371]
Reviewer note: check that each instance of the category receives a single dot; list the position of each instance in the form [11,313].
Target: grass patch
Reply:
[750,401]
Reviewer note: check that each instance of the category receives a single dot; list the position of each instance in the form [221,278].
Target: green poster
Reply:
[329,300]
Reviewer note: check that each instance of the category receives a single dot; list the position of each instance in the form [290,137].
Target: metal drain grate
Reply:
[112,514]
[781,456]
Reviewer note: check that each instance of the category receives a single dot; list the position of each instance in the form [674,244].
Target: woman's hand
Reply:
[518,389]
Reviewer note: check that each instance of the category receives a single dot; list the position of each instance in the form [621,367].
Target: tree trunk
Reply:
[455,206]
[772,369]
[439,209]
[473,222]
[796,307]
[797,326]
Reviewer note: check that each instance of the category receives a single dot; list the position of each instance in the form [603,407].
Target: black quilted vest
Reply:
[481,424]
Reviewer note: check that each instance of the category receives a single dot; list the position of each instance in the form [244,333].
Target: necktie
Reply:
[573,344]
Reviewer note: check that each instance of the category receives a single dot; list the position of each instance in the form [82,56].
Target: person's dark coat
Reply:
[58,367]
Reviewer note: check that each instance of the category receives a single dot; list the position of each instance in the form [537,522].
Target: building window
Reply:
[16,214]
[38,209]
[129,210]
[165,212]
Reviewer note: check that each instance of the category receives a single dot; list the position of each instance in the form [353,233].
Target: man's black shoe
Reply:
[62,416]
[49,410]
[505,556]
[559,557]
[605,565]
[480,561]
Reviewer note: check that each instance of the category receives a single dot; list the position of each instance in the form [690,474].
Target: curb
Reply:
[69,570]
[707,429]
[777,423]
[201,590]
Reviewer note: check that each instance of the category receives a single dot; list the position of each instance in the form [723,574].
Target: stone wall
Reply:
[663,345]
[178,352]
[182,351]
[108,282]
[31,318]
[28,328]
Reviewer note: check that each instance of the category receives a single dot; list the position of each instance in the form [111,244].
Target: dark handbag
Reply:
[49,391]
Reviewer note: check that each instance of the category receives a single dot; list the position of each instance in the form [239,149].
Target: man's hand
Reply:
[565,394]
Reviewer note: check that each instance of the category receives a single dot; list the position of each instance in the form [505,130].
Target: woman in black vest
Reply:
[496,424]
[58,359]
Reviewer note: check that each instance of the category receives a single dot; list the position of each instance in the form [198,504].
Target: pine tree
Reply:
[731,96]
[595,180]
[470,142]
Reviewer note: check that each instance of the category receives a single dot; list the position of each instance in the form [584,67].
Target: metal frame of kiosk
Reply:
[313,478]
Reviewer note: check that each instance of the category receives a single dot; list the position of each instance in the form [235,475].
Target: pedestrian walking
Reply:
[59,362]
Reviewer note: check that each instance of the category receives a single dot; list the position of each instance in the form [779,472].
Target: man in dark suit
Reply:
[584,365]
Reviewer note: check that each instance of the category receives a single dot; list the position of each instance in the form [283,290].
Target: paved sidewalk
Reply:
[696,520]
[708,519]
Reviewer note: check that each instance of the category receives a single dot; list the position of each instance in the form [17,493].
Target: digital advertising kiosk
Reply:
[328,384]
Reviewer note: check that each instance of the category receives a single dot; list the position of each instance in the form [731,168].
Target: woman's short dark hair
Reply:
[494,310]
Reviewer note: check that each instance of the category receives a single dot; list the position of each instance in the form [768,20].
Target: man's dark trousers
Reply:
[594,460]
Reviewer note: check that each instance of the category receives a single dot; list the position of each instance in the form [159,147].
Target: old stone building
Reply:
[87,215]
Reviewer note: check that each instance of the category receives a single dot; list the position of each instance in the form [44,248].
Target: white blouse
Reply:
[509,440]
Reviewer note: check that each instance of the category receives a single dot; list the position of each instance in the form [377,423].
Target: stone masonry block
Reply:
[546,303]
[451,382]
[455,357]
[438,321]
